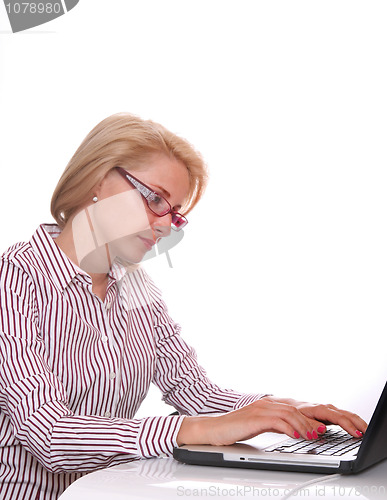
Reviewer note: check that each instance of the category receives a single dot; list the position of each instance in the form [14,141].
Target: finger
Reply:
[350,422]
[278,424]
[301,425]
[281,417]
[318,426]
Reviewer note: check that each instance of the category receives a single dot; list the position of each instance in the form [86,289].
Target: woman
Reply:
[84,331]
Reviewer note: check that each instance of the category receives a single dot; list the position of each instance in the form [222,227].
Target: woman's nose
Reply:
[162,226]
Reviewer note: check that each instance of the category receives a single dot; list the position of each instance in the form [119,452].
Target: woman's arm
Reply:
[268,415]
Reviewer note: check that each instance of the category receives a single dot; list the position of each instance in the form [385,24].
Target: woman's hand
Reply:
[319,415]
[294,418]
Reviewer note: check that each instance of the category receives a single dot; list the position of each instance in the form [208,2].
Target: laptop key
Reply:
[330,443]
[350,448]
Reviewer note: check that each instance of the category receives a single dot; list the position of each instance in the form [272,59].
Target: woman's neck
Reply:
[95,264]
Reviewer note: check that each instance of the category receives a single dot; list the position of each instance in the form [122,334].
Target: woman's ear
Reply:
[107,185]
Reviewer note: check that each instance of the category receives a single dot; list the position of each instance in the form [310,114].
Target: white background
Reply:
[280,282]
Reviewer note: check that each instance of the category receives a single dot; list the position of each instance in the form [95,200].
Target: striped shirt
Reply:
[74,370]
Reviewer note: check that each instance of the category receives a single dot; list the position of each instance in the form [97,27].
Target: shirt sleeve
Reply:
[34,402]
[182,380]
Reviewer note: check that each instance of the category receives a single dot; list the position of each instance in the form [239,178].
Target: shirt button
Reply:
[108,414]
[104,339]
[108,307]
[112,376]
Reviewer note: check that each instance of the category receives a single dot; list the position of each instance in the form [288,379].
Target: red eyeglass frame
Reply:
[178,220]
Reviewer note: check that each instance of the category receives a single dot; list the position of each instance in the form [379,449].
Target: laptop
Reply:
[335,452]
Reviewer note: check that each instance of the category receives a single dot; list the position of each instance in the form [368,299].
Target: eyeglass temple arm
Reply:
[147,193]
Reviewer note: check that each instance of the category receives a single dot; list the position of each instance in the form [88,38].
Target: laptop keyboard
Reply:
[333,442]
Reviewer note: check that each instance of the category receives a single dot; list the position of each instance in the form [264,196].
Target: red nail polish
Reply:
[360,434]
[296,435]
[321,429]
[315,435]
[309,435]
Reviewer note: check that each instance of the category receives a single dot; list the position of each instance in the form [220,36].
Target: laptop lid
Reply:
[374,445]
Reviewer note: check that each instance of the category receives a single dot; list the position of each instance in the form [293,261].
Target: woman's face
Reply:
[120,223]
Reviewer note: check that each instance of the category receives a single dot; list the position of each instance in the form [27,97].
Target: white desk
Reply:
[164,478]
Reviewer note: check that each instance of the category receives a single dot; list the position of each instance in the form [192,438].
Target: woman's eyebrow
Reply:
[164,191]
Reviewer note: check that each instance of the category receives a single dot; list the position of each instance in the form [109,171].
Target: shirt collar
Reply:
[58,265]
[60,268]
[118,270]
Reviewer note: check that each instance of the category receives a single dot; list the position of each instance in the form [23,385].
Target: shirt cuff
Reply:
[247,399]
[158,435]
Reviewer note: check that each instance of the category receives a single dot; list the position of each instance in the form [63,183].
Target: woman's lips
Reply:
[147,242]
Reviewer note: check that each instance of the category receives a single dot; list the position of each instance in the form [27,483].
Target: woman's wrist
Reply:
[287,401]
[194,430]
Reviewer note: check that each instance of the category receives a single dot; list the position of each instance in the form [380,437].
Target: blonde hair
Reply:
[127,141]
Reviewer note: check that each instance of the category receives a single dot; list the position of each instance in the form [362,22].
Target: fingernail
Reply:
[360,434]
[309,435]
[321,429]
[315,435]
[296,435]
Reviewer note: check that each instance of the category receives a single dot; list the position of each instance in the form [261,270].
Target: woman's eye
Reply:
[157,199]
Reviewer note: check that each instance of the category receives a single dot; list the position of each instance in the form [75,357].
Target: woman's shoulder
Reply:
[17,254]
[20,256]
[16,265]
[31,255]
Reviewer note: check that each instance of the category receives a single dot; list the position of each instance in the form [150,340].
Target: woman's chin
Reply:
[131,250]
[133,257]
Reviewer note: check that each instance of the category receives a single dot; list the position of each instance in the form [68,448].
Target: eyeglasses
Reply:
[156,203]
